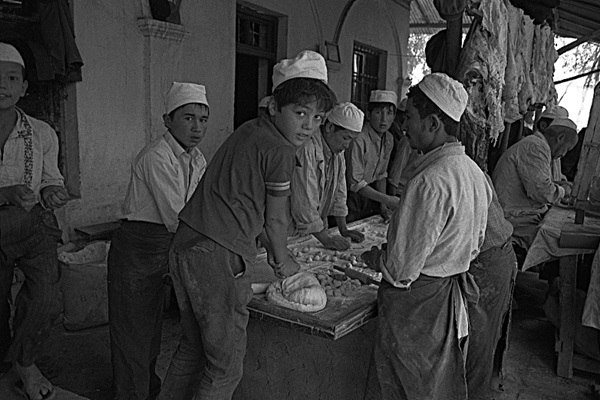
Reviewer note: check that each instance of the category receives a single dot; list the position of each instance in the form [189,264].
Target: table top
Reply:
[342,315]
[546,245]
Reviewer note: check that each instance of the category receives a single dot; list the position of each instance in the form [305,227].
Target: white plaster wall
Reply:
[115,117]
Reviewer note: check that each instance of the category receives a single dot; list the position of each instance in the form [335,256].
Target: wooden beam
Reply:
[440,25]
[579,41]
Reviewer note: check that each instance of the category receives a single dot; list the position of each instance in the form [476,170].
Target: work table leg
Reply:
[566,337]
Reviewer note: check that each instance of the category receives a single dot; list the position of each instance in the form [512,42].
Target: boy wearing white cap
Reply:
[244,195]
[433,236]
[524,180]
[367,160]
[31,187]
[164,175]
[319,181]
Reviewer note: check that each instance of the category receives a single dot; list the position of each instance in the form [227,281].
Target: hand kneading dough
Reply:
[301,292]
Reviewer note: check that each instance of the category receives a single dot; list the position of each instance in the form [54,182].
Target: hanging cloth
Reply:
[56,28]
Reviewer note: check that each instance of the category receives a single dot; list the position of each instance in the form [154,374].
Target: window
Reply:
[368,73]
[256,32]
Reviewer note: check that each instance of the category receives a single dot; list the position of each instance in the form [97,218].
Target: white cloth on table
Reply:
[545,246]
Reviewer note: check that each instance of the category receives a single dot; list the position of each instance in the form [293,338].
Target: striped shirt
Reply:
[230,202]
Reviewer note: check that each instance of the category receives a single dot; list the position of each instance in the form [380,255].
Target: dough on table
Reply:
[301,292]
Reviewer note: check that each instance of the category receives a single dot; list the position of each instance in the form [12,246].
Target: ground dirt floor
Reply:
[79,362]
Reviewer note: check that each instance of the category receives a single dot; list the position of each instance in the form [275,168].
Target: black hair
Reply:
[172,113]
[376,105]
[426,107]
[303,91]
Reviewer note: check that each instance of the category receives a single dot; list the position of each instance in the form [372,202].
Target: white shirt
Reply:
[440,223]
[163,178]
[30,156]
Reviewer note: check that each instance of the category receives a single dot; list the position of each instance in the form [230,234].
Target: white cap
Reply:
[566,122]
[182,93]
[383,96]
[348,116]
[264,102]
[555,111]
[307,64]
[446,93]
[9,53]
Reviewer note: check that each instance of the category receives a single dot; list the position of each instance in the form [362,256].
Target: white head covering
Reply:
[307,64]
[10,54]
[264,102]
[446,93]
[182,93]
[555,112]
[348,116]
[566,122]
[383,96]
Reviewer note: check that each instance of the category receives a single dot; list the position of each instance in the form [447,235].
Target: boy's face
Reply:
[12,84]
[381,118]
[297,122]
[338,141]
[188,124]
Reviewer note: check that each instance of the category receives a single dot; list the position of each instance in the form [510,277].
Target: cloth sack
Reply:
[84,287]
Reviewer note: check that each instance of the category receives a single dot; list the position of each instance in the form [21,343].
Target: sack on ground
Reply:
[84,288]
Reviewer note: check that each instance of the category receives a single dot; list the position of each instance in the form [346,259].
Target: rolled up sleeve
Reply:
[305,194]
[340,205]
[355,165]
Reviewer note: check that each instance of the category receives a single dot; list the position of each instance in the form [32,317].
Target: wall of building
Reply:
[126,73]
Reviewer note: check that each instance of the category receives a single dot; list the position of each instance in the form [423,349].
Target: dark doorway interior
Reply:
[246,89]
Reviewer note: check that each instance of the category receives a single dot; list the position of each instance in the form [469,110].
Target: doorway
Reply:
[256,54]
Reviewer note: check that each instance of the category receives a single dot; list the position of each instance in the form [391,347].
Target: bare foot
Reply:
[35,386]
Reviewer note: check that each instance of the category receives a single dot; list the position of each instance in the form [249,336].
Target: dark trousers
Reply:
[209,360]
[360,207]
[28,240]
[137,263]
[417,354]
[495,271]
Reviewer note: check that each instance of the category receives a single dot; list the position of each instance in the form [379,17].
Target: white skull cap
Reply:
[566,122]
[307,64]
[555,111]
[9,53]
[383,96]
[446,93]
[182,93]
[348,116]
[264,102]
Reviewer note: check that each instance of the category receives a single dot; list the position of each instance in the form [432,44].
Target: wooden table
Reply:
[557,231]
[322,355]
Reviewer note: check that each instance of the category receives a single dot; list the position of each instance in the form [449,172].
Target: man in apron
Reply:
[31,187]
[435,233]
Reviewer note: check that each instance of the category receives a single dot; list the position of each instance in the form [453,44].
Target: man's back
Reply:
[523,178]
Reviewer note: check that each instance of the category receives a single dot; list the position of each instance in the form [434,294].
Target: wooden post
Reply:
[567,311]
